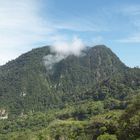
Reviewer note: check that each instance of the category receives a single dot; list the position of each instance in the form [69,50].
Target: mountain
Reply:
[49,96]
[26,84]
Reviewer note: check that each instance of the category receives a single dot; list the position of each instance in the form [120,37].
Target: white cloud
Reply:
[79,26]
[67,48]
[20,27]
[80,23]
[62,49]
[135,38]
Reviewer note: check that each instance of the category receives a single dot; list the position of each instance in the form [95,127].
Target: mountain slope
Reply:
[27,85]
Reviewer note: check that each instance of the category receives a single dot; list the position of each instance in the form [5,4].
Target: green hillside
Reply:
[87,97]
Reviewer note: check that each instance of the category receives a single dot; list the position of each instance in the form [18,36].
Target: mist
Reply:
[62,49]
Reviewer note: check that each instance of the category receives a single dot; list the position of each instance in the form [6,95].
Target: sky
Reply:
[28,24]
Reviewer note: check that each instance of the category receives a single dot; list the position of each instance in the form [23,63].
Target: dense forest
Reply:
[93,96]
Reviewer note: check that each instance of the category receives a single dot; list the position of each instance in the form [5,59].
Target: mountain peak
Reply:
[102,53]
[100,46]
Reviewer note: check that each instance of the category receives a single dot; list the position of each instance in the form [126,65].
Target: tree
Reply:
[107,136]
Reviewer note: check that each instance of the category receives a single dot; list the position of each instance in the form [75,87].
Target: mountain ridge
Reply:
[26,85]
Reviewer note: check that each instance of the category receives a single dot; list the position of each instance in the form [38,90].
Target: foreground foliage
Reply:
[65,124]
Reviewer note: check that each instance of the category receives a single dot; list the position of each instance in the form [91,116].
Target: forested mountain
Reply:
[86,95]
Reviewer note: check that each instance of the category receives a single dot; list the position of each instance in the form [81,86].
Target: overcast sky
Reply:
[27,24]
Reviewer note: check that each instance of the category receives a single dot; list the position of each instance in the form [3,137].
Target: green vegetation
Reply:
[91,97]
[60,124]
[107,137]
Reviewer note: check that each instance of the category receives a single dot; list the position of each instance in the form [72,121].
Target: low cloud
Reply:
[50,60]
[69,48]
[63,49]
